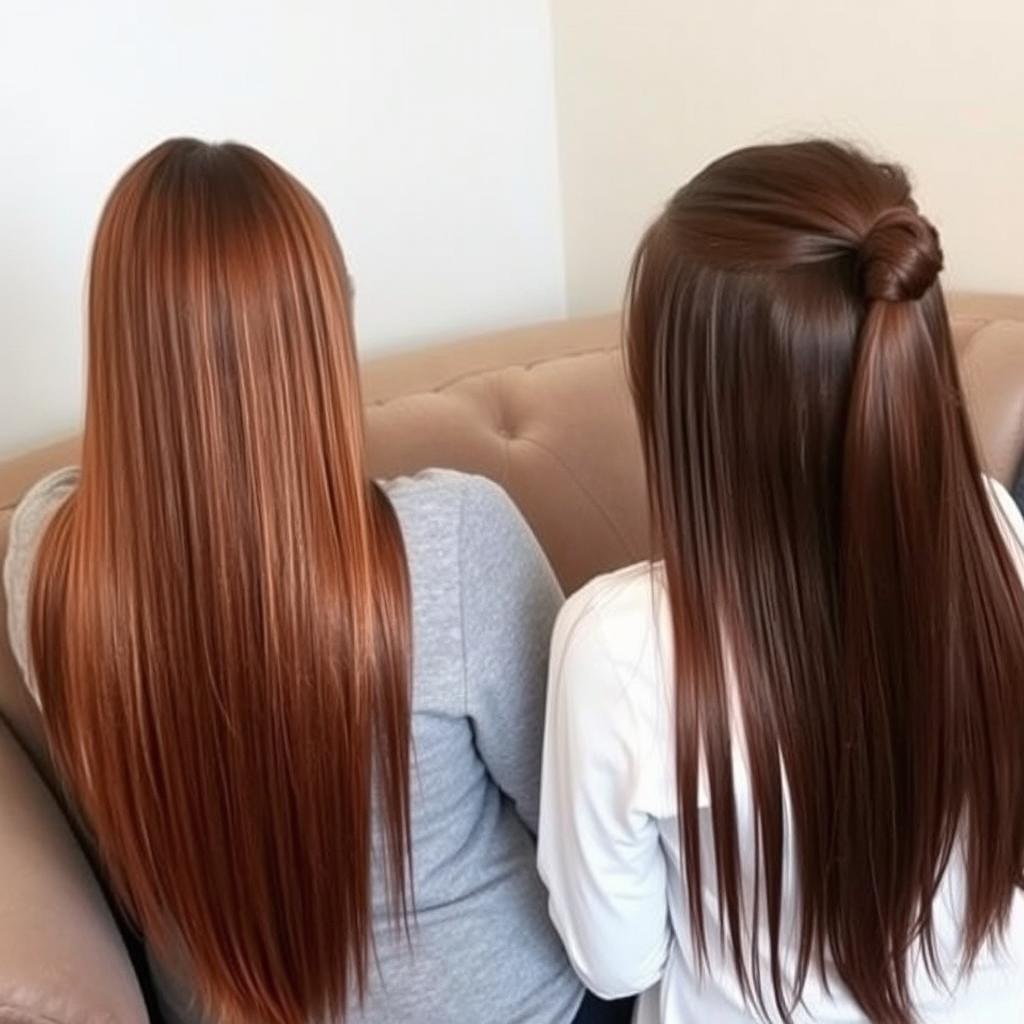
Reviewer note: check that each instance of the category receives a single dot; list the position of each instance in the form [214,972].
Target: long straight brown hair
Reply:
[220,611]
[837,580]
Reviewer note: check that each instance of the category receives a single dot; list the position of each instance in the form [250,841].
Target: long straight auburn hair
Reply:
[220,611]
[839,586]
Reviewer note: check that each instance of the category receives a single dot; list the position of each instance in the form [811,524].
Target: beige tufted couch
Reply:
[545,412]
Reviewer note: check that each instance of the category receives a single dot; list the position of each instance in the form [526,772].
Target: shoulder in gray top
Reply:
[484,600]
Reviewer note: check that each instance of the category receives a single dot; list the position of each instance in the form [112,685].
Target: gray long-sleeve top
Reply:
[484,601]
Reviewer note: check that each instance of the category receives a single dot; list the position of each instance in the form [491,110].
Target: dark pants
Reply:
[596,1011]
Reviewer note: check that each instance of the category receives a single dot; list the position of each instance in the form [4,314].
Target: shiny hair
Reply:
[840,591]
[220,611]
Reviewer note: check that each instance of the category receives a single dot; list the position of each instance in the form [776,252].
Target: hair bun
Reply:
[900,256]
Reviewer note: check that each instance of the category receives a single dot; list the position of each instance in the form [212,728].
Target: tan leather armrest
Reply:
[62,960]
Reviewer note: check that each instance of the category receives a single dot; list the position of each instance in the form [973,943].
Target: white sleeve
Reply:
[1009,519]
[598,854]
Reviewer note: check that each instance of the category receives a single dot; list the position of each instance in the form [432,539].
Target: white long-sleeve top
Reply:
[609,834]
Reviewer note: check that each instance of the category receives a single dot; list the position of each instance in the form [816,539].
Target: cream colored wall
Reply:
[649,91]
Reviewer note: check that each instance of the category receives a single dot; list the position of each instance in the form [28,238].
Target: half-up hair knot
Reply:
[900,256]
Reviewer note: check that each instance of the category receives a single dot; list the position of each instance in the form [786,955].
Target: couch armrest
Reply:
[62,960]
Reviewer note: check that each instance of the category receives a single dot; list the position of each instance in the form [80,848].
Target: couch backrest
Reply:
[545,411]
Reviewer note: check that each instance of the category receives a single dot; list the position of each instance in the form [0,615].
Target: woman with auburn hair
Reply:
[299,712]
[783,769]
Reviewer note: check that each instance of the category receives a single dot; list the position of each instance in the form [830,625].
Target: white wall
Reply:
[426,128]
[649,91]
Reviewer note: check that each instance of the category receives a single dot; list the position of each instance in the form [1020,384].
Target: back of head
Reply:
[220,611]
[837,578]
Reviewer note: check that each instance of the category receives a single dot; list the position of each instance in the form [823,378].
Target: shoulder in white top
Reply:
[608,845]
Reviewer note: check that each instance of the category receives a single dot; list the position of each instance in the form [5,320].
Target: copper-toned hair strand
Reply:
[220,614]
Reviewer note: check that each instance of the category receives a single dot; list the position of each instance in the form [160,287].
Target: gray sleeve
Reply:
[27,526]
[17,576]
[510,599]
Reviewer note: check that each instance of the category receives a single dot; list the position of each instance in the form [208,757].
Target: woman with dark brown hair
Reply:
[784,763]
[299,712]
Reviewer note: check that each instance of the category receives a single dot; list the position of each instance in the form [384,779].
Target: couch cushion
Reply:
[545,411]
[61,956]
[550,419]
